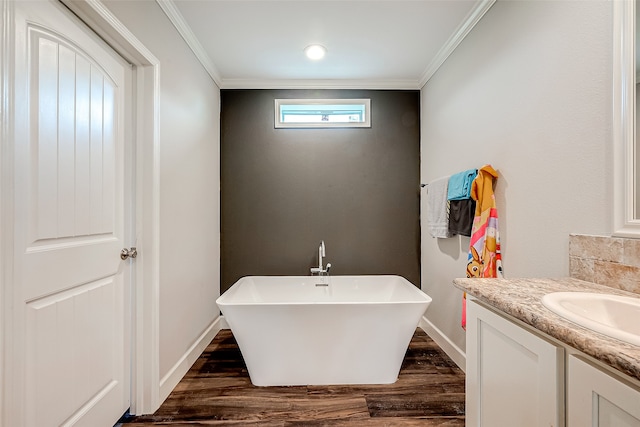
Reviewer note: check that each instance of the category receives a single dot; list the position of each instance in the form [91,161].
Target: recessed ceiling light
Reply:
[315,51]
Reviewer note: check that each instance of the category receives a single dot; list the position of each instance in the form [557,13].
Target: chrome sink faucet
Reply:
[319,270]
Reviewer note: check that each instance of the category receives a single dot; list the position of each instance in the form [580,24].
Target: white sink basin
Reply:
[612,315]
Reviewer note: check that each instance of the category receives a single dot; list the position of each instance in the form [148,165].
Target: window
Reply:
[322,113]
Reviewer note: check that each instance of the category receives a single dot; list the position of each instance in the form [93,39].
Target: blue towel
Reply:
[460,185]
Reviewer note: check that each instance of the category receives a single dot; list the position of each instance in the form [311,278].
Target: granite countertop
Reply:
[521,298]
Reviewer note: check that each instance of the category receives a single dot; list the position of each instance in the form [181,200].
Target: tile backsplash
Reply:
[609,261]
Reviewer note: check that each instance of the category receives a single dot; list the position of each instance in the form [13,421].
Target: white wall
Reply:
[528,91]
[189,182]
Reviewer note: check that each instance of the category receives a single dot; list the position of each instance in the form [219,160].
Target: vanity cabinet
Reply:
[597,398]
[514,376]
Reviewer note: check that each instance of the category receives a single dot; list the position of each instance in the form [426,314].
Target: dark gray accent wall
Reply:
[284,190]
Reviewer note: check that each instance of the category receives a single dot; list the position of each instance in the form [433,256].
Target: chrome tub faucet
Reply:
[319,270]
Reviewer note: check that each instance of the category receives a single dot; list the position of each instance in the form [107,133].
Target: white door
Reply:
[597,399]
[512,374]
[69,355]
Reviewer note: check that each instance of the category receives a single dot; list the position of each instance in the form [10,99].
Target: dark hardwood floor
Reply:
[217,392]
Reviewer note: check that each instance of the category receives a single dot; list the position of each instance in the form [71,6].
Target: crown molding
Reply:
[380,84]
[178,21]
[465,28]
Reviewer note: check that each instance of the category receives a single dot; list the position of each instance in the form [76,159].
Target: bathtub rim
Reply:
[221,300]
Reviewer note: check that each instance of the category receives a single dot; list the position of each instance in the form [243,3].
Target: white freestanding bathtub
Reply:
[302,330]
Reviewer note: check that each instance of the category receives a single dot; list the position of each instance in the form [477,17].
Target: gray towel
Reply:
[461,214]
[438,208]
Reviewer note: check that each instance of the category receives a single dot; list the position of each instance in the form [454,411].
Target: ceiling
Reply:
[374,44]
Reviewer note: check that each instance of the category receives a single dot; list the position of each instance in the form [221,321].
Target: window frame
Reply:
[365,102]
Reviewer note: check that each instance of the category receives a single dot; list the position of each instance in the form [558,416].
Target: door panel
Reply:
[599,399]
[71,293]
[69,355]
[512,373]
[74,103]
[74,106]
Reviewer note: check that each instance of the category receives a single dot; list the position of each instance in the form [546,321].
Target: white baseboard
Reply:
[175,374]
[452,350]
[223,323]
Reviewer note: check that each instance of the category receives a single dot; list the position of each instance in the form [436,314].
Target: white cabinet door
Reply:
[514,378]
[595,398]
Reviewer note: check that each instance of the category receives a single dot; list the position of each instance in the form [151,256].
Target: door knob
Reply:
[128,253]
